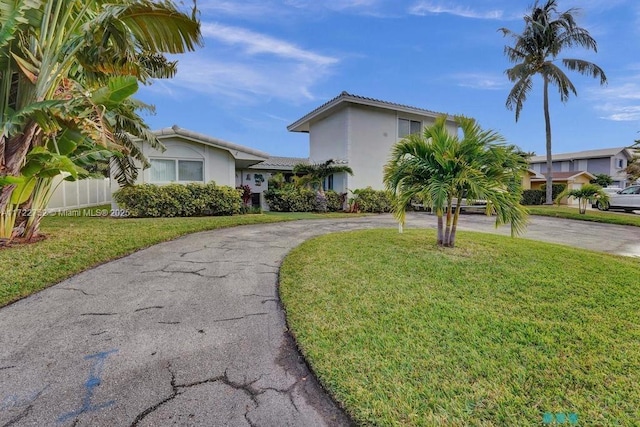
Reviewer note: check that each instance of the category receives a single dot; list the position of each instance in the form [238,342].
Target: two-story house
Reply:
[609,161]
[360,133]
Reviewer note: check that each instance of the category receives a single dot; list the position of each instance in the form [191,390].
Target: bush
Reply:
[291,200]
[148,200]
[335,201]
[555,189]
[370,200]
[533,197]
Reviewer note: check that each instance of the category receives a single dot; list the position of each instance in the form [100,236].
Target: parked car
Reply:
[627,199]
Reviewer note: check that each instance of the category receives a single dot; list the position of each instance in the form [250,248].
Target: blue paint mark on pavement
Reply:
[92,382]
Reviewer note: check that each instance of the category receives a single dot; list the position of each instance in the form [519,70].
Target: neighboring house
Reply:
[609,161]
[572,181]
[360,132]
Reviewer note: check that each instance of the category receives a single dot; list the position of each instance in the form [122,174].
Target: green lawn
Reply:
[496,332]
[75,243]
[607,217]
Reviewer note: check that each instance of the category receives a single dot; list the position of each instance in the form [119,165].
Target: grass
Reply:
[84,238]
[496,332]
[606,217]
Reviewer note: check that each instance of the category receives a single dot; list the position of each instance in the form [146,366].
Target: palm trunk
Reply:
[14,154]
[440,227]
[547,121]
[447,231]
[454,227]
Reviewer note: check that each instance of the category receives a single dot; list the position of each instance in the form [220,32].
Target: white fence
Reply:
[80,194]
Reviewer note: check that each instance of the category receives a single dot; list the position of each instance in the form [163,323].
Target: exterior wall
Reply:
[602,165]
[251,177]
[79,194]
[328,138]
[219,165]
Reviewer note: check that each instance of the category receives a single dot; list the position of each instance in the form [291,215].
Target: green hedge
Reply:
[370,200]
[148,200]
[299,199]
[539,197]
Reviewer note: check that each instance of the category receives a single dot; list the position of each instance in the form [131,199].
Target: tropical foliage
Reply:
[535,51]
[586,194]
[68,71]
[314,176]
[440,169]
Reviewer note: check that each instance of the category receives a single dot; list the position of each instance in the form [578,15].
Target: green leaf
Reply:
[22,191]
[117,90]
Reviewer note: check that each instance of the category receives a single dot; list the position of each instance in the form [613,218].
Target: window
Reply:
[328,183]
[408,127]
[619,163]
[166,170]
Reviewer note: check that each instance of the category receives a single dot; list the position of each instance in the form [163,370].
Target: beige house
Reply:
[359,132]
[572,180]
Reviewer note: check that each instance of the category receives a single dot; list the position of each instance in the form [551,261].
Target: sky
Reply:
[267,63]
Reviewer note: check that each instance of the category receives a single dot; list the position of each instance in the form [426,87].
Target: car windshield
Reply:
[630,190]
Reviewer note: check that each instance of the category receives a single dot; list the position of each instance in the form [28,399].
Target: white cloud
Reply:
[483,81]
[256,43]
[618,102]
[426,7]
[256,68]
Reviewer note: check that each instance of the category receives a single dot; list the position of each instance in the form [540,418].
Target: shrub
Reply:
[291,200]
[555,189]
[533,197]
[148,200]
[370,200]
[335,201]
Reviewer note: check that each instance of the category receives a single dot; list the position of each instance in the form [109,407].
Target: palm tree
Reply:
[48,46]
[314,176]
[546,34]
[588,192]
[440,169]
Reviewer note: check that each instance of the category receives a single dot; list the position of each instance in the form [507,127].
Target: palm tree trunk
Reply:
[15,152]
[440,228]
[447,231]
[454,227]
[547,121]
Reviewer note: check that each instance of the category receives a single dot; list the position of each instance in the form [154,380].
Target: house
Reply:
[609,161]
[194,157]
[571,180]
[359,132]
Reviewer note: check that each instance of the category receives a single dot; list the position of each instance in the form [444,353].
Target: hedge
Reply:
[539,197]
[149,200]
[370,200]
[299,199]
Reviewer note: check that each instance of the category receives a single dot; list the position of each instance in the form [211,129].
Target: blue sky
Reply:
[266,63]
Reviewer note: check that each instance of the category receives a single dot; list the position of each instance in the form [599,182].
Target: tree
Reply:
[584,194]
[546,34]
[602,179]
[439,169]
[54,52]
[314,176]
[633,169]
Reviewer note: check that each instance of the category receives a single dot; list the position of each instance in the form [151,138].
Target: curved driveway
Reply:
[191,332]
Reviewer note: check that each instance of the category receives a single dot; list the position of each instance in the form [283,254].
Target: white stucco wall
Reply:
[219,165]
[328,137]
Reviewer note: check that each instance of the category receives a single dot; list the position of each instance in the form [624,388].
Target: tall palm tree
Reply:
[546,34]
[440,169]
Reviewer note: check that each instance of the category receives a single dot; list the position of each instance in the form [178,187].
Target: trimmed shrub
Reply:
[533,197]
[335,201]
[291,200]
[148,200]
[556,189]
[370,200]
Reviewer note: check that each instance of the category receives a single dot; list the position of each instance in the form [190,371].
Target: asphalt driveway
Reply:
[191,332]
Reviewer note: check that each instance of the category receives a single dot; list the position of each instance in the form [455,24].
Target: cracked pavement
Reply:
[191,332]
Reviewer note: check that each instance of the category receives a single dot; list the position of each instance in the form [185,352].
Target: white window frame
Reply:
[619,163]
[176,162]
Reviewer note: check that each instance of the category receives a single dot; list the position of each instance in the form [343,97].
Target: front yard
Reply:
[496,332]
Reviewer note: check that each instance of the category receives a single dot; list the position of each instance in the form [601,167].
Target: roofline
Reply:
[175,130]
[346,97]
[581,154]
[544,178]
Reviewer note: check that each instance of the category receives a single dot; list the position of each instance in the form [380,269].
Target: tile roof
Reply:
[588,154]
[175,130]
[562,176]
[362,100]
[280,163]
